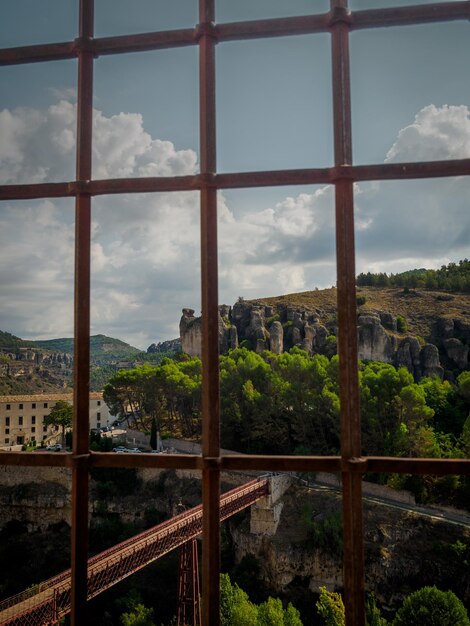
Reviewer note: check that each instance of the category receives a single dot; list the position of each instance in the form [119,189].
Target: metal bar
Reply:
[251,29]
[233,180]
[353,558]
[79,533]
[38,53]
[407,15]
[275,27]
[210,316]
[145,41]
[418,466]
[240,462]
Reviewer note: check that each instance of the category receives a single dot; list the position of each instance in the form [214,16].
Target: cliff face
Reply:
[38,501]
[383,335]
[403,551]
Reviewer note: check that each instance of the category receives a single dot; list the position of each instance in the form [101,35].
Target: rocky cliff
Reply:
[426,332]
[403,551]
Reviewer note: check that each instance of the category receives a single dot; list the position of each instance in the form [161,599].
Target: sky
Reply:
[410,102]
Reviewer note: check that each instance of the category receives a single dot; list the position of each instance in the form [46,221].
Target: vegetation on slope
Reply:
[289,404]
[100,346]
[451,277]
[11,342]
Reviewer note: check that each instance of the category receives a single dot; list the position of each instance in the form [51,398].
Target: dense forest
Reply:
[289,404]
[451,277]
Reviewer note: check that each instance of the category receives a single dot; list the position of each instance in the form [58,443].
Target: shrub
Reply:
[360,300]
[430,606]
[270,320]
[402,324]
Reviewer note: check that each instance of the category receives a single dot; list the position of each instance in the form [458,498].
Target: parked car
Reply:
[119,449]
[55,447]
[133,450]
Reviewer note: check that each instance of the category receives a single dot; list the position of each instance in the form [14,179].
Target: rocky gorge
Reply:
[403,550]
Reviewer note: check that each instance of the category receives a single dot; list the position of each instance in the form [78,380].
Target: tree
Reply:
[60,416]
[330,606]
[235,607]
[153,435]
[292,616]
[430,606]
[138,616]
[373,617]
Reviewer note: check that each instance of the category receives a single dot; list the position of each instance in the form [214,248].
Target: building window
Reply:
[98,415]
[98,403]
[33,429]
[7,431]
[44,437]
[7,421]
[45,405]
[8,407]
[33,405]
[33,419]
[20,406]
[20,420]
[98,424]
[7,439]
[44,429]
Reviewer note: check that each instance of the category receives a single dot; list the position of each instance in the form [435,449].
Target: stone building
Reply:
[22,417]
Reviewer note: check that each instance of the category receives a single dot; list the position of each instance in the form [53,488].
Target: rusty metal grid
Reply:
[339,22]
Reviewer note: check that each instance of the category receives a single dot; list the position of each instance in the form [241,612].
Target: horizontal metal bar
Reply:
[38,53]
[407,15]
[35,459]
[163,461]
[275,27]
[251,29]
[398,465]
[280,463]
[268,178]
[275,463]
[145,41]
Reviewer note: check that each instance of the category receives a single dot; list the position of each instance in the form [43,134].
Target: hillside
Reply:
[100,346]
[28,367]
[420,307]
[11,342]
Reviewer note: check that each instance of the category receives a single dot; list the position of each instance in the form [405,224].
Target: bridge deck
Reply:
[50,600]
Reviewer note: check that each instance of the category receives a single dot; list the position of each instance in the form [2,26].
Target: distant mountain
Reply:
[11,342]
[101,347]
[35,366]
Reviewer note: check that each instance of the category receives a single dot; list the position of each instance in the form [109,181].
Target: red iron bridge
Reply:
[47,602]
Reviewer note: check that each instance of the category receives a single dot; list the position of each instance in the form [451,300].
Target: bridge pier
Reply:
[266,512]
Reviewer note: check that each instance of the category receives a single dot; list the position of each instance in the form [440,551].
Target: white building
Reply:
[22,417]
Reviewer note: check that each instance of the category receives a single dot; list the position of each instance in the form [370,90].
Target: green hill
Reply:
[11,342]
[101,346]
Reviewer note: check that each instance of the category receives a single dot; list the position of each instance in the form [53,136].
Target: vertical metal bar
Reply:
[353,560]
[82,320]
[210,316]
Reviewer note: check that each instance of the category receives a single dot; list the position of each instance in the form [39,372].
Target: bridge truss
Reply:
[45,603]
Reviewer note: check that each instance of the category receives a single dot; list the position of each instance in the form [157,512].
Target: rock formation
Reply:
[260,327]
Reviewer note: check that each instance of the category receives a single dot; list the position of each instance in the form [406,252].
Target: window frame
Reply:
[338,22]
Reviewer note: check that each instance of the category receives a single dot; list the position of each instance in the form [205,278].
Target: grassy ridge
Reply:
[100,345]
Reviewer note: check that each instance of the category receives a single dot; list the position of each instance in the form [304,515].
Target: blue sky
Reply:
[410,99]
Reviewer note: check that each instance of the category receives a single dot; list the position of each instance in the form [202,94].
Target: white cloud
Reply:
[39,146]
[436,133]
[145,248]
